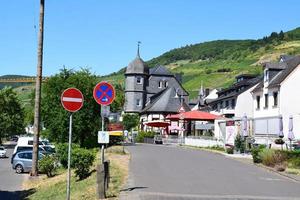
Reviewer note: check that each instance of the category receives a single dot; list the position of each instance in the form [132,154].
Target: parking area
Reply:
[10,182]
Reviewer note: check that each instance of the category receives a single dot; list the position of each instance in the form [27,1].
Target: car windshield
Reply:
[2,148]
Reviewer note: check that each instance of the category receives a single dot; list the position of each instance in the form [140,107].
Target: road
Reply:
[10,182]
[164,172]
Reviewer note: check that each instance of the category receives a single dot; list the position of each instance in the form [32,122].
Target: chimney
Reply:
[178,76]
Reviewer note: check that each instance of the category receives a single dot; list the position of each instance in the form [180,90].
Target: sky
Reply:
[103,35]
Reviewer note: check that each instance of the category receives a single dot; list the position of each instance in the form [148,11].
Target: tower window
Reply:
[139,80]
[138,102]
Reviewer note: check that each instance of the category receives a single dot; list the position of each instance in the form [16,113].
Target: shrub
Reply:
[143,134]
[255,155]
[239,144]
[267,157]
[62,153]
[82,160]
[271,157]
[294,162]
[229,148]
[48,165]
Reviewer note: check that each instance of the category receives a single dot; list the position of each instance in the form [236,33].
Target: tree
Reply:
[130,121]
[86,122]
[11,114]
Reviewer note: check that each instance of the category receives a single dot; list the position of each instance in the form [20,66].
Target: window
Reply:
[160,84]
[233,103]
[139,80]
[226,103]
[258,102]
[166,83]
[138,102]
[275,96]
[266,100]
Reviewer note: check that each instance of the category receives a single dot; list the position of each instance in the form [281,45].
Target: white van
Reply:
[25,142]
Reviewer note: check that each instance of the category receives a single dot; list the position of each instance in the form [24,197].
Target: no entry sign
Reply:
[72,99]
[104,93]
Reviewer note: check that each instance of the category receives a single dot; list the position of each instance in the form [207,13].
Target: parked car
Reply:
[158,139]
[22,161]
[2,152]
[30,148]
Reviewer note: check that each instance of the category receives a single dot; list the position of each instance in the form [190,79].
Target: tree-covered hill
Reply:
[216,63]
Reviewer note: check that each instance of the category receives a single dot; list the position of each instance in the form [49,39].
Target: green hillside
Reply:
[216,63]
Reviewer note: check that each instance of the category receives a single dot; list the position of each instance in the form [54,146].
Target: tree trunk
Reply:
[37,106]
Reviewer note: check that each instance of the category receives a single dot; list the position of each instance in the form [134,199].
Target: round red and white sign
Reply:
[72,99]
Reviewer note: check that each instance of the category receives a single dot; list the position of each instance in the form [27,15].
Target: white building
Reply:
[277,95]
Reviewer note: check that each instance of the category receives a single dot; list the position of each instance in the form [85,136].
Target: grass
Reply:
[55,188]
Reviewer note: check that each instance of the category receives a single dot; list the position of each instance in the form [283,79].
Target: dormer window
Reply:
[166,83]
[160,83]
[139,80]
[266,75]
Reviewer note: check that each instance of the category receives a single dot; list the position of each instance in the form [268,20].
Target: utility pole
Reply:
[37,106]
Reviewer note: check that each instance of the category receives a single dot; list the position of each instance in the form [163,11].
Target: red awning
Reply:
[157,124]
[193,115]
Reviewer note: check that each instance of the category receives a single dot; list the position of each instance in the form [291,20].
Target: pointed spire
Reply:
[138,50]
[201,92]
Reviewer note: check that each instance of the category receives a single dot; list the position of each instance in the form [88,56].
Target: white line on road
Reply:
[71,99]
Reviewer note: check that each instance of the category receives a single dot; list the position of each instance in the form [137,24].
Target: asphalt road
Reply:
[10,182]
[164,172]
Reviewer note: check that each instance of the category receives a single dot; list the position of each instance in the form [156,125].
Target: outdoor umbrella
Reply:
[280,133]
[291,133]
[245,126]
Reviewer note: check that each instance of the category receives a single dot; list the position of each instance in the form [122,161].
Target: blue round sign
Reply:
[104,93]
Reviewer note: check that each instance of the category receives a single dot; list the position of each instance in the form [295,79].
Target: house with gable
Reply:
[277,94]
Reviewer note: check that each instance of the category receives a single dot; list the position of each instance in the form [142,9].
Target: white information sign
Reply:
[103,137]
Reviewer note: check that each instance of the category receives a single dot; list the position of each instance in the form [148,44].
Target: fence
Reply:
[202,141]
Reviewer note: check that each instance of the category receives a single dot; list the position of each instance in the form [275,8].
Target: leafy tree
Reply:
[86,122]
[11,113]
[130,121]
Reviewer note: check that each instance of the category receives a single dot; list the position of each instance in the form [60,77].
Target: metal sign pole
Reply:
[69,158]
[102,124]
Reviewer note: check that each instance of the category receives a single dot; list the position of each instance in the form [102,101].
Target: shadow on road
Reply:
[16,195]
[132,188]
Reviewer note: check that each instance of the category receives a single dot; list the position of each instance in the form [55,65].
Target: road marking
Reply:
[71,99]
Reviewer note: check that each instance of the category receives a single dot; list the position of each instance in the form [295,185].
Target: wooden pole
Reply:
[37,106]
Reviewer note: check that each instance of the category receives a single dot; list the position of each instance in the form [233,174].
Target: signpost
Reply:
[72,101]
[104,94]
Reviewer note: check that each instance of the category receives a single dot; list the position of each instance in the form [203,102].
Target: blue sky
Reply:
[103,35]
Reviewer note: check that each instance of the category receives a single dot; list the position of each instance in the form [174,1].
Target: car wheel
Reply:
[19,169]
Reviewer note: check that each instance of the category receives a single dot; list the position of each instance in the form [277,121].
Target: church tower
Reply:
[136,80]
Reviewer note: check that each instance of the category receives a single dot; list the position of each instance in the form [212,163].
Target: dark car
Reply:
[158,139]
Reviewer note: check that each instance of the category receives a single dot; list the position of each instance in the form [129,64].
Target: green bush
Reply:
[82,160]
[62,153]
[229,148]
[293,154]
[239,144]
[143,134]
[48,165]
[255,153]
[294,162]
